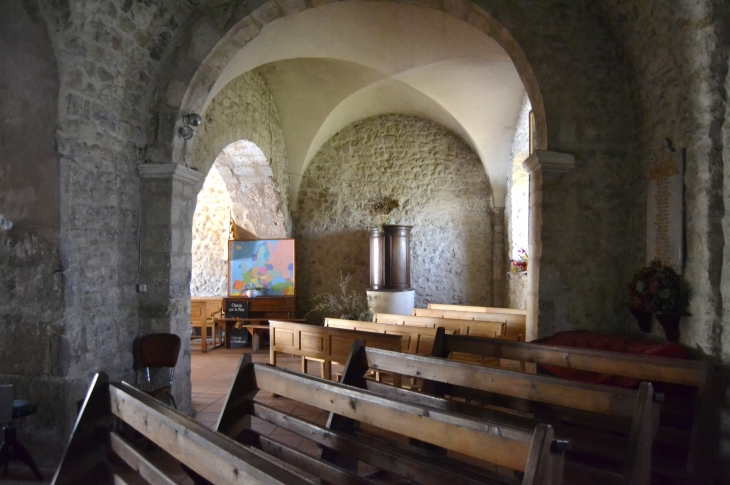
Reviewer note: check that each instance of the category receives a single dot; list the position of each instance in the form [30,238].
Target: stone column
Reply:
[545,169]
[499,258]
[167,204]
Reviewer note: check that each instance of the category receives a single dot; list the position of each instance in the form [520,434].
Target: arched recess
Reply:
[35,345]
[230,115]
[572,88]
[239,189]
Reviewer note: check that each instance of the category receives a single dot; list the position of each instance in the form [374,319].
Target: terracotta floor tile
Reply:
[264,428]
[291,441]
[309,447]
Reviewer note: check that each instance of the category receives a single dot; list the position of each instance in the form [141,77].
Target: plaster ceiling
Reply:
[330,66]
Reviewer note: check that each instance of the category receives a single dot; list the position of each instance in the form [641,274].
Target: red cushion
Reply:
[612,343]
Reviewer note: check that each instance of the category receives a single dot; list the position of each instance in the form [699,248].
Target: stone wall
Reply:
[107,57]
[256,199]
[34,353]
[211,225]
[443,192]
[244,110]
[680,90]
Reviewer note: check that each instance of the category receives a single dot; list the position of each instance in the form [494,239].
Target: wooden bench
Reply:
[496,328]
[535,454]
[102,452]
[323,344]
[475,309]
[685,445]
[516,320]
[414,340]
[202,316]
[611,429]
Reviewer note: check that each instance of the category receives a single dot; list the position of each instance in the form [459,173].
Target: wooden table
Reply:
[255,326]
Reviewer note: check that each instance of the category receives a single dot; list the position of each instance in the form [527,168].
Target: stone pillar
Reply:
[545,168]
[167,204]
[499,258]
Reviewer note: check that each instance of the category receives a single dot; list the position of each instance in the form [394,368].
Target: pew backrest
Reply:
[694,443]
[533,452]
[210,455]
[414,340]
[496,328]
[632,414]
[475,309]
[326,344]
[516,322]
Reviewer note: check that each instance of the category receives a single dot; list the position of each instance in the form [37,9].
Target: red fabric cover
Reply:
[613,343]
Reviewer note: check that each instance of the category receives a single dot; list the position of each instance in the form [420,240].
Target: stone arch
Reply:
[227,44]
[245,111]
[255,198]
[566,91]
[239,188]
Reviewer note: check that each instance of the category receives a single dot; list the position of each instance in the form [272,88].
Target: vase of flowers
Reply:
[383,205]
[519,265]
[656,289]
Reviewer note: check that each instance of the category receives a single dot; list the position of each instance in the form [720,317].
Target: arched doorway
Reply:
[239,199]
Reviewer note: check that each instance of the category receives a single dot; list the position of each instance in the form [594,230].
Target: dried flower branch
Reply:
[348,304]
[383,204]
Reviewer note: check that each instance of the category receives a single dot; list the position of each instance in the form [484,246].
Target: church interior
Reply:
[557,166]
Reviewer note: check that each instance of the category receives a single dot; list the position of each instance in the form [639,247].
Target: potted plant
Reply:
[656,289]
[348,304]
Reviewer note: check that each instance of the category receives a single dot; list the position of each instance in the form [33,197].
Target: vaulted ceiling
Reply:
[330,66]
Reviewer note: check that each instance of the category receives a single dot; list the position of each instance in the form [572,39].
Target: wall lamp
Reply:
[190,120]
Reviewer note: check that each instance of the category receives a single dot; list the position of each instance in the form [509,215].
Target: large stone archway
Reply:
[564,125]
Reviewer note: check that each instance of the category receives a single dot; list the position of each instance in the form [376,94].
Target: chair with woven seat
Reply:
[156,356]
[11,449]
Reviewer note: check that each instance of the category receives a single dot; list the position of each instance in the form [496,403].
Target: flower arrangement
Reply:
[656,289]
[383,205]
[519,265]
[348,304]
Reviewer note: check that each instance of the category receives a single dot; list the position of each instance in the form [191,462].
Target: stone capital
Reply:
[549,162]
[172,171]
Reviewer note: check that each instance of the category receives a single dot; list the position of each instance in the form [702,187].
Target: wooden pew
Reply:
[534,454]
[495,328]
[684,448]
[516,320]
[323,344]
[99,452]
[606,425]
[475,309]
[414,340]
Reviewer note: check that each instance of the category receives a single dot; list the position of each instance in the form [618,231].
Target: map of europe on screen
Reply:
[267,264]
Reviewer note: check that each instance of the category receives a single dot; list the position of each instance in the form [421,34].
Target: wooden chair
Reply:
[156,354]
[202,316]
